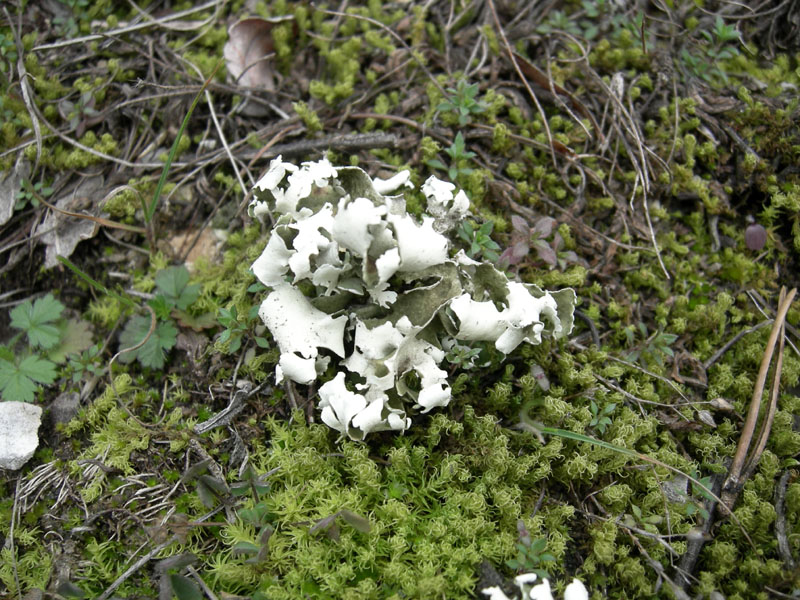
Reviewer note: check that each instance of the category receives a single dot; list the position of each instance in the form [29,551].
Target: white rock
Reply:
[19,426]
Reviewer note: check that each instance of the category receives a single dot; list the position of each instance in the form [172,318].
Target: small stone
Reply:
[64,408]
[19,426]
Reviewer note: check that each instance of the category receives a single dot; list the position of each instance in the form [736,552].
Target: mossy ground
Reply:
[656,135]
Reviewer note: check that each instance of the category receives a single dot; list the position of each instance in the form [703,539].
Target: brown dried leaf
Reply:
[10,185]
[247,53]
[62,233]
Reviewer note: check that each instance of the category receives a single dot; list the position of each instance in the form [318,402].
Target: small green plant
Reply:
[8,52]
[21,374]
[462,357]
[700,295]
[637,519]
[601,418]
[80,114]
[329,526]
[31,193]
[462,101]
[89,361]
[237,326]
[259,517]
[531,556]
[459,156]
[652,348]
[719,48]
[174,296]
[68,26]
[479,240]
[695,503]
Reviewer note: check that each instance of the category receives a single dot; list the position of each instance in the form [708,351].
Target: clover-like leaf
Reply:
[39,321]
[19,381]
[153,352]
[173,284]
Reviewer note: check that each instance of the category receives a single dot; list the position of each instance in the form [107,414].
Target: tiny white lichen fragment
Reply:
[576,591]
[447,209]
[438,192]
[275,174]
[273,263]
[301,370]
[521,320]
[353,221]
[339,405]
[311,240]
[351,414]
[387,186]
[419,245]
[299,327]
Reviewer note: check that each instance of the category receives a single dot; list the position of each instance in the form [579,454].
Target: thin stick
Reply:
[732,485]
[766,424]
[128,29]
[718,354]
[133,568]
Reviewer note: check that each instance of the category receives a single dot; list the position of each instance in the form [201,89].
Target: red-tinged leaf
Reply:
[547,254]
[195,322]
[520,250]
[322,524]
[76,336]
[245,548]
[520,224]
[755,236]
[544,226]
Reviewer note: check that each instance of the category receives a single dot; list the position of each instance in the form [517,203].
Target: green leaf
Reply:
[19,382]
[70,590]
[173,283]
[356,521]
[245,548]
[37,320]
[75,336]
[184,588]
[152,353]
[162,306]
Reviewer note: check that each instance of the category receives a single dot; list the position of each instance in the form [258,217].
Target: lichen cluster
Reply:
[385,283]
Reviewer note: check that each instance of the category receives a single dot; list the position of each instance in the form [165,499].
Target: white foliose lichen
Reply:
[354,278]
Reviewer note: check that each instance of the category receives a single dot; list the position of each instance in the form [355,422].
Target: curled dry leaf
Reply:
[10,185]
[62,233]
[248,53]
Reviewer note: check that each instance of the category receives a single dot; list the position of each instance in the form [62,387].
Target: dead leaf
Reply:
[10,185]
[705,417]
[208,246]
[77,337]
[248,53]
[62,233]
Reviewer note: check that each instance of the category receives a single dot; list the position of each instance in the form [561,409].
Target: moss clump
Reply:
[437,507]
